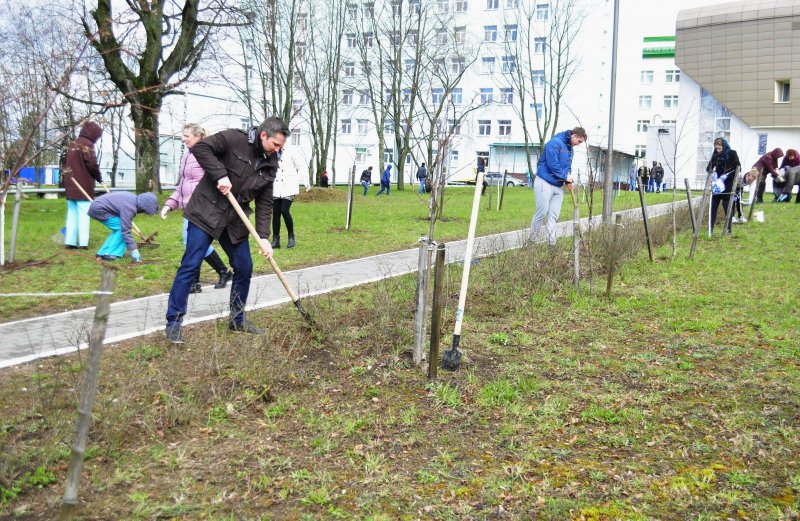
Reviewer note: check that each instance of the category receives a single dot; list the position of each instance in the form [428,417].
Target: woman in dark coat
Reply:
[80,166]
[768,163]
[723,164]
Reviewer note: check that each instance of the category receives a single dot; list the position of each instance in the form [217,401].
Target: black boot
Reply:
[224,273]
[290,244]
[196,287]
[276,241]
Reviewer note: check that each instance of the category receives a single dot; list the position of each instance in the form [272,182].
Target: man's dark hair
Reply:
[580,132]
[274,126]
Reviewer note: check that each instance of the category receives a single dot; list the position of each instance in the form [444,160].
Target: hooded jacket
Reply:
[724,165]
[555,163]
[190,175]
[240,157]
[793,162]
[288,178]
[769,162]
[124,205]
[386,177]
[81,163]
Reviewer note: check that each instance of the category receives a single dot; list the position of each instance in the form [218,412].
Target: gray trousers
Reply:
[548,206]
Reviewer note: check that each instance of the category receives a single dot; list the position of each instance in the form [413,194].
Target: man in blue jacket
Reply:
[553,170]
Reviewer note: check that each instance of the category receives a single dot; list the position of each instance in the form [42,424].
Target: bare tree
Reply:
[541,37]
[148,50]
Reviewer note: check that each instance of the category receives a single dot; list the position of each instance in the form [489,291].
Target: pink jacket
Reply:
[190,174]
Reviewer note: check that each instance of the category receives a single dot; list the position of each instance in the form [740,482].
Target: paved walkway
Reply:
[39,337]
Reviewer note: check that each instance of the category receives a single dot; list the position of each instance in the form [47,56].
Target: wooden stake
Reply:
[352,184]
[88,392]
[689,201]
[700,212]
[612,265]
[576,239]
[419,317]
[436,313]
[645,221]
[729,211]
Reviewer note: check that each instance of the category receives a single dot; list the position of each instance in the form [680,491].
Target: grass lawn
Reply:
[379,225]
[677,398]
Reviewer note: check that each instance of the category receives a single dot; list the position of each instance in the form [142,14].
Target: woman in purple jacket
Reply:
[190,175]
[768,163]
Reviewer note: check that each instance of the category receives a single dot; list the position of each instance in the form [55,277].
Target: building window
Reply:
[783,91]
[397,7]
[409,159]
[413,6]
[413,37]
[453,157]
[388,127]
[486,95]
[537,78]
[670,102]
[295,136]
[352,41]
[352,10]
[538,108]
[364,97]
[363,124]
[410,66]
[439,68]
[492,4]
[441,37]
[438,96]
[511,33]
[646,77]
[388,156]
[406,95]
[488,65]
[454,126]
[673,76]
[504,127]
[542,12]
[347,126]
[347,97]
[394,37]
[457,65]
[484,127]
[459,34]
[244,123]
[350,69]
[302,22]
[539,45]
[442,6]
[645,102]
[512,3]
[460,6]
[489,33]
[457,96]
[509,64]
[368,38]
[641,150]
[641,125]
[369,10]
[361,155]
[668,122]
[507,96]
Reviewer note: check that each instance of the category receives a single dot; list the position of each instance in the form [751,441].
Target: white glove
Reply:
[718,187]
[165,211]
[136,256]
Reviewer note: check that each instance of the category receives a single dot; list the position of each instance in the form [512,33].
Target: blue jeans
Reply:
[366,186]
[422,185]
[185,226]
[197,243]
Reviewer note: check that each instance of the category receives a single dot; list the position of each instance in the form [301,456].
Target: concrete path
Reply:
[30,339]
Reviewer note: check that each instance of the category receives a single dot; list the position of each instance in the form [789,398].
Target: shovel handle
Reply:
[262,244]
[473,221]
[574,197]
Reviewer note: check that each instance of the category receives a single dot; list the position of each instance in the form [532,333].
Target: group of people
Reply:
[245,164]
[652,177]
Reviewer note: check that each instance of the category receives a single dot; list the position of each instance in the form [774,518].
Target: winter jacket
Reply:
[658,173]
[422,172]
[81,163]
[555,163]
[190,175]
[386,178]
[724,165]
[366,176]
[769,162]
[239,156]
[793,162]
[288,179]
[124,205]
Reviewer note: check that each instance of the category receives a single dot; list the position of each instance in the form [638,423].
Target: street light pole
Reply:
[608,181]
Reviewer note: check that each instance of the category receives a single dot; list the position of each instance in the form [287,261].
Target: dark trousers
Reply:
[716,199]
[384,187]
[197,243]
[762,186]
[280,209]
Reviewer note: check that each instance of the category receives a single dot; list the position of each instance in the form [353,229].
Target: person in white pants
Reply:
[555,165]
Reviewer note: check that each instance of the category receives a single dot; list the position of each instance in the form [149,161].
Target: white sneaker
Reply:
[743,220]
[735,220]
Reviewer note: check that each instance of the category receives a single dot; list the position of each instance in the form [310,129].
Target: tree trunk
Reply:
[148,161]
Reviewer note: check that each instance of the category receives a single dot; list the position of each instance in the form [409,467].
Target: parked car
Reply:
[496,179]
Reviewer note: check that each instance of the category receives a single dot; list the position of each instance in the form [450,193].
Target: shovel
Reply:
[451,360]
[262,244]
[147,241]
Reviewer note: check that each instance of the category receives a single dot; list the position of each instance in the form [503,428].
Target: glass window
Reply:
[347,97]
[783,91]
[368,38]
[414,6]
[349,69]
[488,64]
[538,108]
[406,95]
[507,96]
[347,126]
[456,96]
[646,77]
[361,155]
[295,136]
[511,33]
[460,6]
[438,95]
[537,78]
[641,150]
[459,34]
[369,10]
[509,64]
[363,124]
[442,6]
[410,66]
[388,155]
[397,7]
[641,125]
[673,76]
[351,40]
[512,3]
[388,127]
[670,102]
[542,12]
[352,10]
[484,127]
[645,102]
[457,65]
[454,126]
[486,95]
[539,45]
[441,36]
[504,127]
[365,99]
[492,4]
[489,33]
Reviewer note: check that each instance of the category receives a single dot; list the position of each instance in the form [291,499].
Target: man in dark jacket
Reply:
[80,165]
[243,164]
[366,179]
[768,163]
[422,176]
